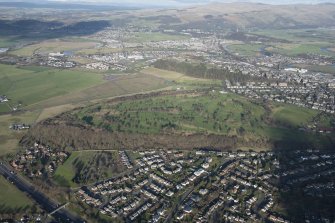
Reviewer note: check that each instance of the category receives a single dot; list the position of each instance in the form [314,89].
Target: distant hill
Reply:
[63,6]
[255,15]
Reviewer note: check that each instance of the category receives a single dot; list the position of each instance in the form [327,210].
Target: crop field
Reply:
[11,198]
[88,166]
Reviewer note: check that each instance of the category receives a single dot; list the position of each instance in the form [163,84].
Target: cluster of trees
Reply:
[202,71]
[96,168]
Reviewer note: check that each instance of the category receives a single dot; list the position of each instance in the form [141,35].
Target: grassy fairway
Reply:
[222,114]
[95,166]
[31,85]
[213,113]
[11,197]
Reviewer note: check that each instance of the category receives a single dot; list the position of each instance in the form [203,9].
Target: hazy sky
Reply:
[175,2]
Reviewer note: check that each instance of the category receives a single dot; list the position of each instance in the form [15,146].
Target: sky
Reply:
[172,2]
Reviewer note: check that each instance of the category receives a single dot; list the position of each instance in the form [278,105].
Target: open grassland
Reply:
[27,86]
[88,166]
[178,78]
[124,85]
[11,198]
[53,46]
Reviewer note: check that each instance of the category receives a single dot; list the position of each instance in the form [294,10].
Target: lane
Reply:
[46,203]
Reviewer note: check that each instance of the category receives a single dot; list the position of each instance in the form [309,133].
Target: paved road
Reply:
[46,203]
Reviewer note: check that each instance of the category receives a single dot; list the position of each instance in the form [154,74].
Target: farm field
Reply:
[53,46]
[12,198]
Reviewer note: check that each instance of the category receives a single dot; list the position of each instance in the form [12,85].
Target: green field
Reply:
[246,49]
[46,92]
[30,85]
[300,35]
[228,115]
[53,46]
[215,113]
[291,116]
[155,36]
[293,49]
[84,167]
[301,41]
[11,198]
